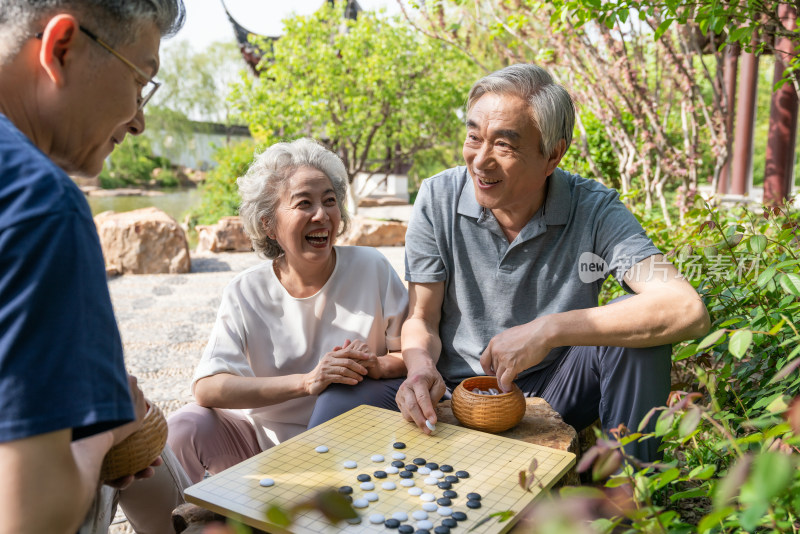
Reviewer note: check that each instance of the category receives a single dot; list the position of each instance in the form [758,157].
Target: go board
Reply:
[299,471]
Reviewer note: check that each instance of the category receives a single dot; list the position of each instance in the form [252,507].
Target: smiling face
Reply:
[502,154]
[103,101]
[307,219]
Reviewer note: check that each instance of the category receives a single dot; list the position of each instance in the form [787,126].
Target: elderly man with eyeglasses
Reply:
[74,78]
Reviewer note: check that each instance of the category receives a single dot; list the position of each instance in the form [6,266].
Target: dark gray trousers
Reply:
[613,384]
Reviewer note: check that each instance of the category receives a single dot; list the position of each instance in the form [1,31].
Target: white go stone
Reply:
[430,426]
[445,511]
[437,474]
[424,524]
[430,506]
[419,515]
[407,482]
[415,491]
[389,485]
[321,448]
[377,519]
[392,470]
[371,497]
[354,520]
[431,481]
[424,471]
[266,482]
[360,503]
[350,464]
[400,516]
[428,497]
[367,486]
[377,458]
[398,456]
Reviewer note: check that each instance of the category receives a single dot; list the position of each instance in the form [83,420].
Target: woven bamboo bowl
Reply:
[138,450]
[489,413]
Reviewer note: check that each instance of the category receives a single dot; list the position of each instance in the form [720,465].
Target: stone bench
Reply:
[541,425]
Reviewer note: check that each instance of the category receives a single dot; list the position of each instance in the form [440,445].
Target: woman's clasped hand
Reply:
[347,364]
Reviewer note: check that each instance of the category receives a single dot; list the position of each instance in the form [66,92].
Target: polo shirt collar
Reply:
[557,204]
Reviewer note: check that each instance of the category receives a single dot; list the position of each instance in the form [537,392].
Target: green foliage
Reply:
[731,430]
[196,84]
[220,193]
[132,164]
[372,90]
[600,150]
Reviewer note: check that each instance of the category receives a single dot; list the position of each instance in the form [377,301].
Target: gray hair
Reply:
[263,184]
[552,109]
[115,21]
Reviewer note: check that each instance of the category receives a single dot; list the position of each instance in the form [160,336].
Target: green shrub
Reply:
[730,431]
[220,193]
[132,164]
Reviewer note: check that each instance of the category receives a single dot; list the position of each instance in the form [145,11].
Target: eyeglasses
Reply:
[149,85]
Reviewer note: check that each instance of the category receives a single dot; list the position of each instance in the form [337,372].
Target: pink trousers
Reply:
[210,439]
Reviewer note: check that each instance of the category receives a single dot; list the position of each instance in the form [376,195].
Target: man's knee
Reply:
[641,360]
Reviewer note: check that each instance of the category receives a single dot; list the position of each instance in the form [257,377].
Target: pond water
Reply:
[174,203]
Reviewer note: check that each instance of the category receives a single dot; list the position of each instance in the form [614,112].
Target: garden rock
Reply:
[374,233]
[541,425]
[227,235]
[144,241]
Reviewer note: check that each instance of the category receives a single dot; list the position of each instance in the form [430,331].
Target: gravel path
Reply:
[165,321]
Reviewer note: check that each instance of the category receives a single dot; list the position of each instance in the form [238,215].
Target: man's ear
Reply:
[555,158]
[58,41]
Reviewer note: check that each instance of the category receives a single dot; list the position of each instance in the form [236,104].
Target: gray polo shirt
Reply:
[557,263]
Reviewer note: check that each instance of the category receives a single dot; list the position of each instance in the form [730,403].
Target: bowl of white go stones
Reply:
[479,403]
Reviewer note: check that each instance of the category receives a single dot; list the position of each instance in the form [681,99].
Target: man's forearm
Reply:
[644,320]
[421,346]
[49,481]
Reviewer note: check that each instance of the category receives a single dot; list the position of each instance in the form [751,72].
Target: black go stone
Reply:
[345,490]
[474,496]
[462,474]
[449,522]
[411,467]
[473,504]
[392,523]
[432,466]
[380,474]
[419,461]
[444,501]
[364,477]
[459,516]
[398,464]
[406,474]
[348,498]
[441,529]
[405,529]
[444,485]
[422,531]
[399,445]
[450,494]
[452,479]
[446,468]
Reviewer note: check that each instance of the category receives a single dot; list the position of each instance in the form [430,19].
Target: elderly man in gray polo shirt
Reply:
[505,259]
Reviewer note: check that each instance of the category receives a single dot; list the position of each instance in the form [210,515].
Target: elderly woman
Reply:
[311,316]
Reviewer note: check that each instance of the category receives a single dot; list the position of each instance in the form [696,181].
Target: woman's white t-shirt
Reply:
[261,330]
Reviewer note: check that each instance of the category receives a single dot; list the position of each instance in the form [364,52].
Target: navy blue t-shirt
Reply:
[61,362]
